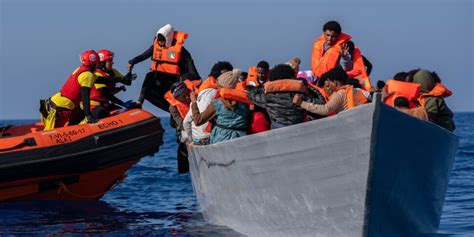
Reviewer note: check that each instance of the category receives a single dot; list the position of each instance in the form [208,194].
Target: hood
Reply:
[425,79]
[168,32]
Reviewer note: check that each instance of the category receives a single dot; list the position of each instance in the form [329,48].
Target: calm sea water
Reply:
[157,201]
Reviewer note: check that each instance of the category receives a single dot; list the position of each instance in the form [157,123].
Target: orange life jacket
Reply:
[438,91]
[354,97]
[233,94]
[358,71]
[396,89]
[71,88]
[241,86]
[210,82]
[288,85]
[167,59]
[322,91]
[252,77]
[321,61]
[183,108]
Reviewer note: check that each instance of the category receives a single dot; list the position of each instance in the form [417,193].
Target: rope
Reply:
[63,187]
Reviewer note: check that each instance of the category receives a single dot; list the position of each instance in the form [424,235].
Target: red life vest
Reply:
[284,85]
[241,86]
[408,90]
[438,91]
[321,61]
[258,122]
[95,93]
[354,96]
[72,89]
[358,71]
[167,59]
[234,95]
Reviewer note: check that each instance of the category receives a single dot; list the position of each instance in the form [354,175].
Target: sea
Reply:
[155,200]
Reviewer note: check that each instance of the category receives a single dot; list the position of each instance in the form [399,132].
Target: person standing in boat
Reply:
[330,50]
[229,117]
[63,106]
[341,96]
[102,96]
[432,94]
[169,60]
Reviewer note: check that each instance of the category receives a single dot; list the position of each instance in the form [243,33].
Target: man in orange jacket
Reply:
[326,52]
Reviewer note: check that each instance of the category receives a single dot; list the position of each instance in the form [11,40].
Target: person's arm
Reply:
[346,62]
[86,81]
[335,103]
[200,118]
[108,94]
[257,96]
[176,117]
[140,58]
[187,125]
[368,65]
[186,63]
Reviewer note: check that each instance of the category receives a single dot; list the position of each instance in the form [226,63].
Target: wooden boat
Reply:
[368,171]
[79,162]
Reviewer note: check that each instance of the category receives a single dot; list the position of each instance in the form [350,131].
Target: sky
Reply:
[40,41]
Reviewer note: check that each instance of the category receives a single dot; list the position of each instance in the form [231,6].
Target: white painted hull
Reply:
[369,171]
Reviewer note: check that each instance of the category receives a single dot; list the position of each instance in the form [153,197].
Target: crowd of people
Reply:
[230,103]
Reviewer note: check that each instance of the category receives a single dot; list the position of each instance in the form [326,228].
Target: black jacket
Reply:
[186,63]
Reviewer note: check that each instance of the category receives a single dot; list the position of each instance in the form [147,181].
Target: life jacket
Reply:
[322,91]
[439,90]
[192,85]
[354,96]
[72,89]
[252,77]
[258,122]
[210,82]
[241,86]
[284,85]
[183,108]
[358,71]
[321,61]
[234,95]
[167,59]
[408,90]
[95,94]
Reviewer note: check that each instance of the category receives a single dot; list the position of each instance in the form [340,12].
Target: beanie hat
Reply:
[229,79]
[294,63]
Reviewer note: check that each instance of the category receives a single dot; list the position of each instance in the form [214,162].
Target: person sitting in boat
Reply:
[341,96]
[257,76]
[102,96]
[327,49]
[229,117]
[295,64]
[276,96]
[169,59]
[359,70]
[432,96]
[206,92]
[402,104]
[63,106]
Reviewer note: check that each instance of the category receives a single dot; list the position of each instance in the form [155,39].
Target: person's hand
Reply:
[91,119]
[193,96]
[297,99]
[344,50]
[130,67]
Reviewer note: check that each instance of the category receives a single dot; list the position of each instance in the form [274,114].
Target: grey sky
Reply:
[40,41]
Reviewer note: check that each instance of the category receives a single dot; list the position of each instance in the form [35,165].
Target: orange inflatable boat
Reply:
[80,162]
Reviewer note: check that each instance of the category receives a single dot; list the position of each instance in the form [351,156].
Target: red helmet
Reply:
[105,54]
[89,57]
